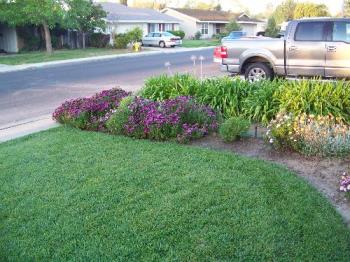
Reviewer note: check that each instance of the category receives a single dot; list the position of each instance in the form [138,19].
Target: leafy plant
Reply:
[315,97]
[198,35]
[118,120]
[99,40]
[233,128]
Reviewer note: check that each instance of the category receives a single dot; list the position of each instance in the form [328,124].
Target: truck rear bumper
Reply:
[229,68]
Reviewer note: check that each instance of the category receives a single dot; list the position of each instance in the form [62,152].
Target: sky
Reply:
[258,6]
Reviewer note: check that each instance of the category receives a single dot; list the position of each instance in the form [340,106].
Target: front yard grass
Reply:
[42,56]
[66,194]
[200,43]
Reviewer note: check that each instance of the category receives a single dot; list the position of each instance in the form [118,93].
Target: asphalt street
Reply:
[32,93]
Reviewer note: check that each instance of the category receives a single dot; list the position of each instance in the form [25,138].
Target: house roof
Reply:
[118,12]
[213,15]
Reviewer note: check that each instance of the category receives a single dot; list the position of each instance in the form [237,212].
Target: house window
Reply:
[168,27]
[218,29]
[205,29]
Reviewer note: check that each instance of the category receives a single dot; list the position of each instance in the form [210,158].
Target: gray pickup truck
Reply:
[317,47]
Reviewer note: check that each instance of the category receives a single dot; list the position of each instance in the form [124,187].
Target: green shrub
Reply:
[315,97]
[98,40]
[198,35]
[178,33]
[233,128]
[121,41]
[117,121]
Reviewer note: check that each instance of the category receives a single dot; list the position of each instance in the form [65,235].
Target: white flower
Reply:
[342,188]
[271,141]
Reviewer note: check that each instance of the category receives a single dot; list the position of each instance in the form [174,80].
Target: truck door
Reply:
[306,52]
[338,50]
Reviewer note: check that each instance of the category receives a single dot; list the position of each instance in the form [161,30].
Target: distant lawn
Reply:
[42,56]
[83,196]
[200,43]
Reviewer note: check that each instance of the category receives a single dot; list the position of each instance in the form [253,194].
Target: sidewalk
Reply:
[150,51]
[26,127]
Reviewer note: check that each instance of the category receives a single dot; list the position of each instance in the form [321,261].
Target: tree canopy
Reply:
[310,10]
[82,15]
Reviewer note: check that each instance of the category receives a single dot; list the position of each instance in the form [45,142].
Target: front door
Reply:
[338,51]
[306,55]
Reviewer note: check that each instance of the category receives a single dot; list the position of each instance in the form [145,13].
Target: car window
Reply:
[167,34]
[310,31]
[156,35]
[341,31]
[149,35]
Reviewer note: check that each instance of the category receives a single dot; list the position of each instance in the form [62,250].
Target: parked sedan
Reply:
[161,39]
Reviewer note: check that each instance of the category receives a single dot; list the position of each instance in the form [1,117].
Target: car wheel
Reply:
[162,44]
[258,72]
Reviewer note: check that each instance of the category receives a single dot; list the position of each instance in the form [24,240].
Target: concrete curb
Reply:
[26,127]
[14,68]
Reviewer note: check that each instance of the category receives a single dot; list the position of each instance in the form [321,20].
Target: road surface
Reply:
[37,92]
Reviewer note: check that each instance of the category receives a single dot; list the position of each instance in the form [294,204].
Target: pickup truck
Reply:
[315,47]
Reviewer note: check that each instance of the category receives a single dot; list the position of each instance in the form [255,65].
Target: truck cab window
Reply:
[341,31]
[310,31]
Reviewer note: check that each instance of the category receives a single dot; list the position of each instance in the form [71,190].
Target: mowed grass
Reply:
[72,195]
[42,56]
[200,43]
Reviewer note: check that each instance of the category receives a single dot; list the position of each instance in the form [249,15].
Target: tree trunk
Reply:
[47,38]
[84,40]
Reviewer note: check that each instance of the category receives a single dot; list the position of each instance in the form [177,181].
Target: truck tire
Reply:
[258,72]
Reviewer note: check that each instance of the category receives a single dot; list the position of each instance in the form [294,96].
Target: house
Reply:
[121,19]
[210,22]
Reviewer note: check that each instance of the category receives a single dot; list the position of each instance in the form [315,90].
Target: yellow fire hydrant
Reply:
[137,47]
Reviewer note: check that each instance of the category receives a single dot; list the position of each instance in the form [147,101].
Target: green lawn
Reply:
[42,56]
[200,43]
[72,195]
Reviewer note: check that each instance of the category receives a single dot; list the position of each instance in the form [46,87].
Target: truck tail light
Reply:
[223,52]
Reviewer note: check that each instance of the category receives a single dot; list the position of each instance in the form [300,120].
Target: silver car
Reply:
[161,39]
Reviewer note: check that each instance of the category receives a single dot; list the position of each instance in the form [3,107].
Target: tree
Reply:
[272,30]
[45,13]
[346,8]
[232,26]
[124,2]
[84,16]
[284,12]
[310,10]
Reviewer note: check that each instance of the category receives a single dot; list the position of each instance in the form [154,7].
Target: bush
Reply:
[121,41]
[180,118]
[178,33]
[118,120]
[311,135]
[90,113]
[233,128]
[99,40]
[198,35]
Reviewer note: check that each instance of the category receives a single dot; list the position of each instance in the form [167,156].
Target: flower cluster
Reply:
[310,135]
[92,112]
[345,183]
[179,118]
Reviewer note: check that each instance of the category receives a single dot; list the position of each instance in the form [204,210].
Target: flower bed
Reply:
[90,113]
[180,118]
[310,135]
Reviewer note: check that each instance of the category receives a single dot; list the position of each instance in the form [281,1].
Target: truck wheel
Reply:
[162,44]
[258,72]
